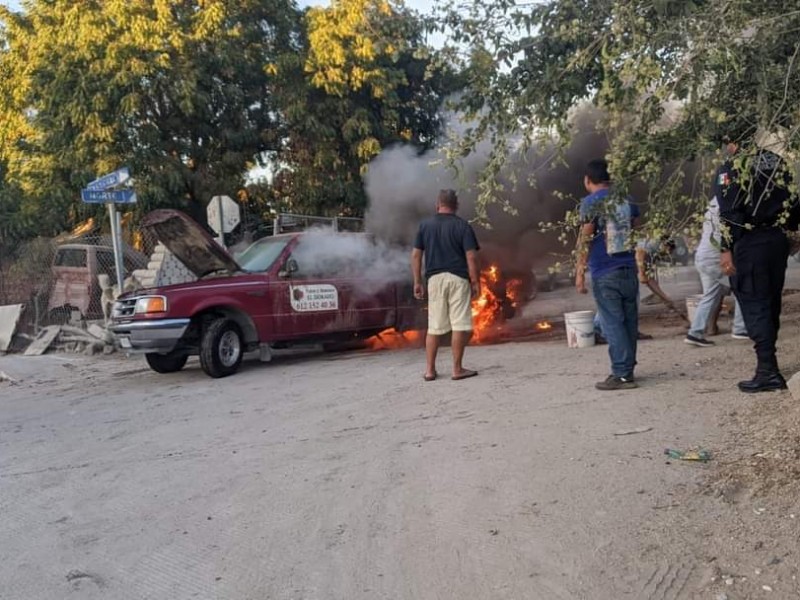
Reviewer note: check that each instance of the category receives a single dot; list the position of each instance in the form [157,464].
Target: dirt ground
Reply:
[347,477]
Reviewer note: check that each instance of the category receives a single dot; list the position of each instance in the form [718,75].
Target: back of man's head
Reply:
[448,199]
[597,171]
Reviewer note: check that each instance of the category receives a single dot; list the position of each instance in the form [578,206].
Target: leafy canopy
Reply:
[366,79]
[175,90]
[671,77]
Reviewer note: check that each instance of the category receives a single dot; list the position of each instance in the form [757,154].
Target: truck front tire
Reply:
[166,363]
[221,348]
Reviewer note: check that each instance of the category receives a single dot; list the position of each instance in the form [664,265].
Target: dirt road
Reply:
[348,477]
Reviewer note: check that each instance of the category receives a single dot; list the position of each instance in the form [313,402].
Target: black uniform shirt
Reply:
[759,202]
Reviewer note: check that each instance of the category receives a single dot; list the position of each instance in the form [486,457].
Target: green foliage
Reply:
[192,94]
[175,90]
[365,80]
[671,77]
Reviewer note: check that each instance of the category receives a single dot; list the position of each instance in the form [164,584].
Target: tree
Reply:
[672,77]
[175,90]
[365,80]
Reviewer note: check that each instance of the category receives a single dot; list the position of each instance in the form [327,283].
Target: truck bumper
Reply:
[160,335]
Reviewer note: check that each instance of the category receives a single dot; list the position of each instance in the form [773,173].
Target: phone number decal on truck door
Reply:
[309,298]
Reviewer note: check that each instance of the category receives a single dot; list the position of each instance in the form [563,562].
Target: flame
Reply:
[488,313]
[390,339]
[544,326]
[514,291]
[488,310]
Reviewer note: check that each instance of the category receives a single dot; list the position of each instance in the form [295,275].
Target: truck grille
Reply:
[124,308]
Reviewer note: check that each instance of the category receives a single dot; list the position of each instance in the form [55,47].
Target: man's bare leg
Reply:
[431,350]
[459,343]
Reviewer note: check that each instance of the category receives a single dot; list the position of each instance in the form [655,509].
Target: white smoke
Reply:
[373,263]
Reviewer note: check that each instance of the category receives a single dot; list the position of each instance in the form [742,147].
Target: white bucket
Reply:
[691,306]
[580,328]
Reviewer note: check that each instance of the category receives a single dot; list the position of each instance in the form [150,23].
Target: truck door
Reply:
[372,299]
[306,302]
[341,292]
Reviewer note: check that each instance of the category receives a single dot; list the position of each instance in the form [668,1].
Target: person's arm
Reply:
[416,270]
[474,273]
[792,206]
[470,246]
[582,256]
[730,215]
[641,265]
[416,263]
[641,255]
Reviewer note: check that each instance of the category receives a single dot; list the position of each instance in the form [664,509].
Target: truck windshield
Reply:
[260,255]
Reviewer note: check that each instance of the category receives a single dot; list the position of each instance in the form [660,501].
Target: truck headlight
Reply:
[151,304]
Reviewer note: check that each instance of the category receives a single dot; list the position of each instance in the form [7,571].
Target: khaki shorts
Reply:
[449,304]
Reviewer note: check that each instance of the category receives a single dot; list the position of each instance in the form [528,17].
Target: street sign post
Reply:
[104,196]
[223,216]
[111,180]
[101,191]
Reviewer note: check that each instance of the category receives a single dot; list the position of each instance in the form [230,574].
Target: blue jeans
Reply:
[598,324]
[617,297]
[710,278]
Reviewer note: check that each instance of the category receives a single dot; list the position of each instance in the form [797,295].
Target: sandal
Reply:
[465,374]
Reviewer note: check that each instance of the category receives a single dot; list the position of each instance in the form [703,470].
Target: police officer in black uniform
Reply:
[758,209]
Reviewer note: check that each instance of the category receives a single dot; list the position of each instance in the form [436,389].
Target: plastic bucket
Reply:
[580,328]
[691,306]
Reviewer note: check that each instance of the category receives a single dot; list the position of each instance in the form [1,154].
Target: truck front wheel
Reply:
[221,348]
[166,363]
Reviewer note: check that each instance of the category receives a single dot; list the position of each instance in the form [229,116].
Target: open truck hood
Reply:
[189,242]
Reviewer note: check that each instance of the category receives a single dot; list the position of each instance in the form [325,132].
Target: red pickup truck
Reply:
[306,287]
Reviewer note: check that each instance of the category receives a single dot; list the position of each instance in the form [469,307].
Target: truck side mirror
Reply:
[290,268]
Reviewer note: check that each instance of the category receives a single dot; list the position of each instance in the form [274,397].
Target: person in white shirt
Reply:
[707,263]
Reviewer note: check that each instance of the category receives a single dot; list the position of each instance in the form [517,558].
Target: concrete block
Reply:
[9,319]
[101,333]
[794,386]
[43,341]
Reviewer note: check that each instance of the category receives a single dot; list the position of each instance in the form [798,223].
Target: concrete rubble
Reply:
[794,386]
[9,319]
[6,378]
[163,269]
[67,338]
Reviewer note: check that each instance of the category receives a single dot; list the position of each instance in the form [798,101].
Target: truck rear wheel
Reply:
[166,363]
[221,348]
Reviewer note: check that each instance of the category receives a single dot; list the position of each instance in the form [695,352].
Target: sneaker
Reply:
[696,341]
[616,383]
[740,336]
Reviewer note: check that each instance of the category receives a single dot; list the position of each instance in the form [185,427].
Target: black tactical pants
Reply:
[760,258]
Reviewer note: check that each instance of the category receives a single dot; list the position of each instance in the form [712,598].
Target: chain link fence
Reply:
[70,278]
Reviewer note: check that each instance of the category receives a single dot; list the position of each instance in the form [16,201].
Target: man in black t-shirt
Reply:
[450,248]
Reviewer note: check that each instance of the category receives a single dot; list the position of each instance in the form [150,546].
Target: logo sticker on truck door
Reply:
[310,298]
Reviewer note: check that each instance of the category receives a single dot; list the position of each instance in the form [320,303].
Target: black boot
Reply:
[763,383]
[767,379]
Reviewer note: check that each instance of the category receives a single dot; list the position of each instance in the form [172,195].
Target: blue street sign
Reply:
[111,180]
[101,197]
